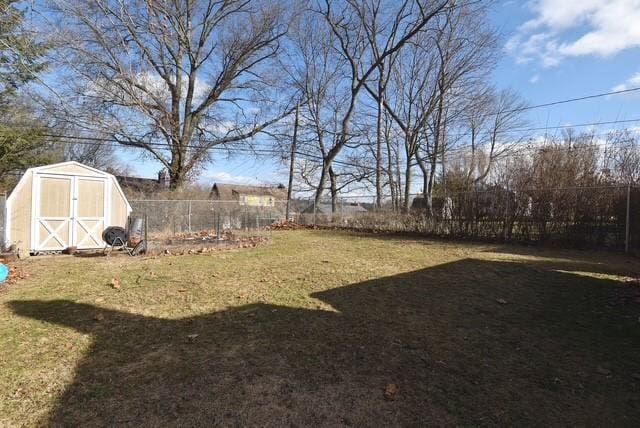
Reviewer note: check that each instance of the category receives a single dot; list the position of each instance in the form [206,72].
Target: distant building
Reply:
[136,185]
[344,209]
[255,196]
[322,213]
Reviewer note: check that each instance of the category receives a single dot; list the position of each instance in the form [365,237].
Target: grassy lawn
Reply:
[312,328]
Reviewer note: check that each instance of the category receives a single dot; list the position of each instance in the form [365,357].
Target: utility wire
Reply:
[570,100]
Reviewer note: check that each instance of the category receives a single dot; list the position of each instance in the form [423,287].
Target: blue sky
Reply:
[575,58]
[552,50]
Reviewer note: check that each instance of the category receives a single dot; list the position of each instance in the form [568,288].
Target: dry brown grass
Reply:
[312,329]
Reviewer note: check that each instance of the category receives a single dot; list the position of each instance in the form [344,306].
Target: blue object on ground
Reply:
[4,272]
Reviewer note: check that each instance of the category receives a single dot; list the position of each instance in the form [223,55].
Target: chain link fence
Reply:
[174,217]
[596,217]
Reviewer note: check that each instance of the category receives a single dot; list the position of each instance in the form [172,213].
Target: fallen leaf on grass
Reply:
[115,283]
[98,317]
[391,391]
[502,301]
[182,290]
[192,337]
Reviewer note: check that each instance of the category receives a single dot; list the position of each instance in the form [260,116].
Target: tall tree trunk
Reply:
[334,190]
[392,184]
[425,175]
[323,178]
[430,183]
[398,179]
[177,175]
[294,144]
[407,184]
[379,139]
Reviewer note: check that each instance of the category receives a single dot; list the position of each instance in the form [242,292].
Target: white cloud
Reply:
[534,79]
[570,28]
[632,82]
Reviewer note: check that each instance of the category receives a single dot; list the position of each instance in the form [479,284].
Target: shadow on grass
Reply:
[561,351]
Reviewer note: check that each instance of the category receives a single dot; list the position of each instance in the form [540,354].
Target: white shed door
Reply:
[70,211]
[89,218]
[53,213]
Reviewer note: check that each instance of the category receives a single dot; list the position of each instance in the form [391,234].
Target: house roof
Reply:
[137,184]
[229,192]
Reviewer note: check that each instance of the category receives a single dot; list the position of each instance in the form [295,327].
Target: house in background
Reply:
[136,185]
[253,196]
[343,209]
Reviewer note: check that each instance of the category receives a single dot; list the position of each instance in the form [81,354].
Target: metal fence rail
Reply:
[171,217]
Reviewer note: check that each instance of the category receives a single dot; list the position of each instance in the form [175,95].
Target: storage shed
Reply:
[55,207]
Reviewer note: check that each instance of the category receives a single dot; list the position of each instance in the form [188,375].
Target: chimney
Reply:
[164,178]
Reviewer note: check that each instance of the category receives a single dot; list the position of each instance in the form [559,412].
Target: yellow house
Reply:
[55,207]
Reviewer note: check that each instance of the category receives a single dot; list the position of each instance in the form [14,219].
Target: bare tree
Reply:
[348,21]
[173,78]
[97,154]
[372,14]
[413,101]
[491,119]
[318,74]
[430,79]
[622,157]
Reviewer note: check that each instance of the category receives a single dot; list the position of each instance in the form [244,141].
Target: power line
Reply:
[512,152]
[226,147]
[571,100]
[95,141]
[548,128]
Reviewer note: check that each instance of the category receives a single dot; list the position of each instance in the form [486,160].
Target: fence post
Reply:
[146,232]
[506,217]
[626,232]
[218,236]
[189,217]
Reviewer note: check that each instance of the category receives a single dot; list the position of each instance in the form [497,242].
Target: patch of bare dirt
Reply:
[204,242]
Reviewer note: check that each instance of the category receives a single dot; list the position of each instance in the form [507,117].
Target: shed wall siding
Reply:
[20,217]
[118,207]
